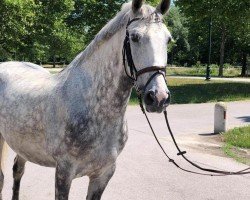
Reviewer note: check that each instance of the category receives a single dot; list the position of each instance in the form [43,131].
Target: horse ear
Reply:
[163,7]
[136,5]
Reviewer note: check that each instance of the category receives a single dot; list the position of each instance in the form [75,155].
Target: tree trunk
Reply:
[172,58]
[222,51]
[244,64]
[54,61]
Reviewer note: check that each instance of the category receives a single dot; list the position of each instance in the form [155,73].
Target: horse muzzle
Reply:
[156,101]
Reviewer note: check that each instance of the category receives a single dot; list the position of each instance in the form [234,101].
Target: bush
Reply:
[214,66]
[227,65]
[198,65]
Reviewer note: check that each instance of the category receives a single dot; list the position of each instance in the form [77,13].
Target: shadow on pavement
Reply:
[244,118]
[208,134]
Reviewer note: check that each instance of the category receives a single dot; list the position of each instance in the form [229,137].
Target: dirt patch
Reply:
[242,152]
[211,144]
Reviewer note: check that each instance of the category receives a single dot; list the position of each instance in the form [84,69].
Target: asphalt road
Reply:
[142,171]
[189,118]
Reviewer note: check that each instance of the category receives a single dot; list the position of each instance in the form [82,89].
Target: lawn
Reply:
[239,137]
[201,71]
[55,70]
[237,144]
[201,91]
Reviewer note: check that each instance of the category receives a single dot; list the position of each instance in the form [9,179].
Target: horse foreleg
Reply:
[1,173]
[18,171]
[64,177]
[97,184]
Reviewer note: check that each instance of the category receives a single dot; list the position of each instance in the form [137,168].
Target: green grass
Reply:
[236,154]
[239,137]
[199,91]
[237,141]
[54,70]
[201,71]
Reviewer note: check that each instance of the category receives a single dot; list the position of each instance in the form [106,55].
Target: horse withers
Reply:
[74,121]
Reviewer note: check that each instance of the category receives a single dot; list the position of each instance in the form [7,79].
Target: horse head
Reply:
[145,50]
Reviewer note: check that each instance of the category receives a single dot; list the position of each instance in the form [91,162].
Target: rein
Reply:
[134,74]
[212,172]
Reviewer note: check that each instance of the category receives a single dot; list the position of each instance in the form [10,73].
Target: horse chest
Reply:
[89,134]
[94,144]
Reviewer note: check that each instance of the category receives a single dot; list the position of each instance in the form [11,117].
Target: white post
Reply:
[220,117]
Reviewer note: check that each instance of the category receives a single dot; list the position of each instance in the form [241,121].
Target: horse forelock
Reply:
[112,27]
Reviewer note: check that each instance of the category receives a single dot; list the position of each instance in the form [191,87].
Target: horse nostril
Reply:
[167,101]
[149,98]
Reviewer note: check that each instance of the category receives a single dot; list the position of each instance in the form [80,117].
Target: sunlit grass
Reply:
[201,71]
[239,137]
[237,141]
[54,70]
[201,91]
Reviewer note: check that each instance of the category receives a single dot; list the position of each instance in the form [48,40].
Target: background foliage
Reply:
[52,31]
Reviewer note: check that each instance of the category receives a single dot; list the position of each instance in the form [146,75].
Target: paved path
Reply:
[189,119]
[247,80]
[142,171]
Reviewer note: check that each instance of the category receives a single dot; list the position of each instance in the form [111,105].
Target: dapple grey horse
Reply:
[75,120]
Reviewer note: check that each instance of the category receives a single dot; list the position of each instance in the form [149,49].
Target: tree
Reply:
[224,14]
[48,30]
[36,30]
[16,22]
[52,30]
[89,16]
[178,50]
[241,36]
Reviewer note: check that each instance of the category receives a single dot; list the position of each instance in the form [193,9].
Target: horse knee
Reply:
[98,183]
[18,171]
[64,177]
[1,181]
[18,168]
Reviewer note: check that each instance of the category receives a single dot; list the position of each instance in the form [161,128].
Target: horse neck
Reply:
[108,87]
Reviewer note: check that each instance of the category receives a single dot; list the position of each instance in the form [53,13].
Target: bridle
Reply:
[134,73]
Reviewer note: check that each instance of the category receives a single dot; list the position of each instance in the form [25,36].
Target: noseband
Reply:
[134,73]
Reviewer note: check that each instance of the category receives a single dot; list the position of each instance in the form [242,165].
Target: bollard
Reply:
[220,117]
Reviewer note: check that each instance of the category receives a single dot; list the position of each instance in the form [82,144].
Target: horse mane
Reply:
[114,25]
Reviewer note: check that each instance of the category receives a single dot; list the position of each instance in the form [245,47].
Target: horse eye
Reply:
[135,37]
[170,39]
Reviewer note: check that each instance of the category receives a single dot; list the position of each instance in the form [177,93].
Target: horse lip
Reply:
[154,109]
